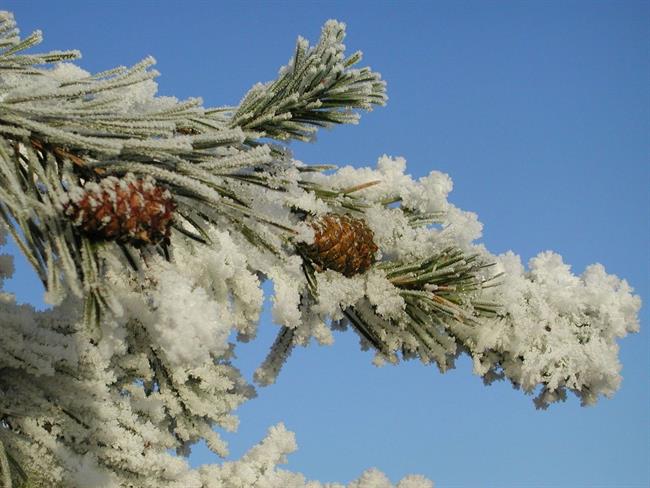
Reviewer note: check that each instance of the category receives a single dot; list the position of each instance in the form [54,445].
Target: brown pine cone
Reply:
[341,243]
[127,209]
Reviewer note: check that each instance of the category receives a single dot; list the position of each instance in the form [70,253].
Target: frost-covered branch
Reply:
[436,294]
[318,88]
[153,223]
[258,468]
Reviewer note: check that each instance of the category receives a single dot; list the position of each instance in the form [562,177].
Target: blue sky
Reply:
[539,111]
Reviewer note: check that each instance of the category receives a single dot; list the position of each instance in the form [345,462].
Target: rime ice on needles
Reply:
[318,88]
[559,331]
[134,361]
[258,469]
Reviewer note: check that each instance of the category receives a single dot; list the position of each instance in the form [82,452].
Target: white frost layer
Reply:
[561,329]
[258,469]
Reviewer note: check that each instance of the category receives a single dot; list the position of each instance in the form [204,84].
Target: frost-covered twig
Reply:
[318,88]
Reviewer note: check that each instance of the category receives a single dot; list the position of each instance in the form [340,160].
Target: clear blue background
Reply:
[540,113]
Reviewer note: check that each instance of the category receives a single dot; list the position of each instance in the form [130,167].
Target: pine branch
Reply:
[277,356]
[440,296]
[75,131]
[442,302]
[72,132]
[318,88]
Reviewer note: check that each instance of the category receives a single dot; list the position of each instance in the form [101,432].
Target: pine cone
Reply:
[342,243]
[128,209]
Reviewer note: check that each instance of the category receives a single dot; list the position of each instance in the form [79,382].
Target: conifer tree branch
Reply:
[318,88]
